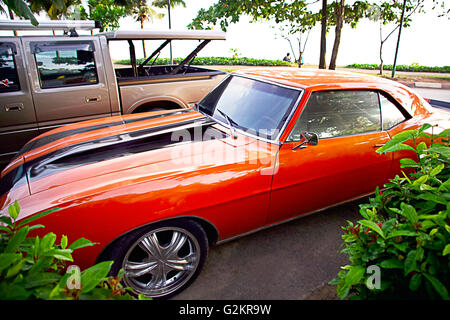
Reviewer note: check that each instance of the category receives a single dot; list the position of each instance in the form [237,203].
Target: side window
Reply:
[390,114]
[9,81]
[339,113]
[65,64]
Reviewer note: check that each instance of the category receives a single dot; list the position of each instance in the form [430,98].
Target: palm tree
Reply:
[142,13]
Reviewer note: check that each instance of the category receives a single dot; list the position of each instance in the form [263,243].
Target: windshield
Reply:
[254,106]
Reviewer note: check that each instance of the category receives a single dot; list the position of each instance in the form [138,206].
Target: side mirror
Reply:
[310,138]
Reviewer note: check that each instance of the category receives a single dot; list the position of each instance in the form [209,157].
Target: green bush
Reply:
[402,67]
[405,230]
[216,61]
[35,268]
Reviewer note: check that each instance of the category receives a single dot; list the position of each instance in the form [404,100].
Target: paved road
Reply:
[436,94]
[285,262]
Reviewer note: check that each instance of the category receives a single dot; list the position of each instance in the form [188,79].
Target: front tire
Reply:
[161,260]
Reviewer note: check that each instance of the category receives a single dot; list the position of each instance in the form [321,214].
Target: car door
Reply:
[68,80]
[17,115]
[342,166]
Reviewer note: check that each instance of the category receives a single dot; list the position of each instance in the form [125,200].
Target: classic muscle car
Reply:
[155,190]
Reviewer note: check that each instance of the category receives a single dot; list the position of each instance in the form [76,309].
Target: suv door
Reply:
[68,80]
[17,115]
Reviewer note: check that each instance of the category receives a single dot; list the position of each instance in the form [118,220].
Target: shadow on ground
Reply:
[291,261]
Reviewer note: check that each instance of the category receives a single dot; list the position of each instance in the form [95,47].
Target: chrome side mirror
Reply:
[311,138]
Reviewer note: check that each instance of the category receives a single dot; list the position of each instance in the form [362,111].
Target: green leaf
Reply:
[401,233]
[14,210]
[373,226]
[420,180]
[21,9]
[409,212]
[424,127]
[421,147]
[81,243]
[395,144]
[91,277]
[410,262]
[41,279]
[392,263]
[60,254]
[432,197]
[438,286]
[36,216]
[415,282]
[7,259]
[15,269]
[7,220]
[437,170]
[16,240]
[440,148]
[396,147]
[64,242]
[354,275]
[408,163]
[446,250]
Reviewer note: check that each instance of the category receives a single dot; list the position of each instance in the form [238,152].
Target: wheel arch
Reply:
[160,103]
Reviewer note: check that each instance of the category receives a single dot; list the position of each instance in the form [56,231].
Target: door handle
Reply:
[14,107]
[93,99]
[379,145]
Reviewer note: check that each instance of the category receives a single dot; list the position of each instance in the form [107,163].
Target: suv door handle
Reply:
[379,145]
[93,99]
[14,107]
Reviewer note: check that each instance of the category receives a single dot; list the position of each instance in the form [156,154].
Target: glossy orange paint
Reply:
[234,185]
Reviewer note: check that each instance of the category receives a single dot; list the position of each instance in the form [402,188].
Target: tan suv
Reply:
[49,81]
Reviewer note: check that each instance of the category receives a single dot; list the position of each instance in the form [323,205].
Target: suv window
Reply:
[65,64]
[390,114]
[338,113]
[9,81]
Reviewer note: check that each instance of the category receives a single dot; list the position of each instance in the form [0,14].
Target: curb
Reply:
[432,85]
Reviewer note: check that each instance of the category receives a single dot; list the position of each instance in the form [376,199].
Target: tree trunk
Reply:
[337,37]
[143,41]
[323,37]
[11,16]
[381,58]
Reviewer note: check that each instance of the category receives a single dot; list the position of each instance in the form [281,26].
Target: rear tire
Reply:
[160,260]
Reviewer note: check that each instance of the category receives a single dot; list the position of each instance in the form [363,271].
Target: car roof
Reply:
[310,77]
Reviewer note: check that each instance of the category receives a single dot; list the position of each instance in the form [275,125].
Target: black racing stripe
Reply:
[38,167]
[39,142]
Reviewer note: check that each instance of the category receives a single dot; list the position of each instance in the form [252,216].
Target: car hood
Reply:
[177,140]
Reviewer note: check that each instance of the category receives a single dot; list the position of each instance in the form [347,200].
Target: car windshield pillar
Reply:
[257,107]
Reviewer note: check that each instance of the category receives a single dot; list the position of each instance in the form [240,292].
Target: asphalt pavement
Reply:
[290,261]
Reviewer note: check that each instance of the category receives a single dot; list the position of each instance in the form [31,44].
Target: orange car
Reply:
[154,190]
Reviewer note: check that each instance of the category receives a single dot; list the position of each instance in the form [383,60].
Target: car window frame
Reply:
[348,135]
[399,107]
[34,46]
[12,46]
[276,140]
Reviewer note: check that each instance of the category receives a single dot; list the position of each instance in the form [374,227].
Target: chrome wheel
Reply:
[161,261]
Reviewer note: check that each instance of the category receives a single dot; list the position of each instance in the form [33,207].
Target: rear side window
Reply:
[9,81]
[65,64]
[339,113]
[390,114]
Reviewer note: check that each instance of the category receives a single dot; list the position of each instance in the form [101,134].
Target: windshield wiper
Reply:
[229,120]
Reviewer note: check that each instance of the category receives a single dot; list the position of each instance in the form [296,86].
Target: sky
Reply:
[425,42]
